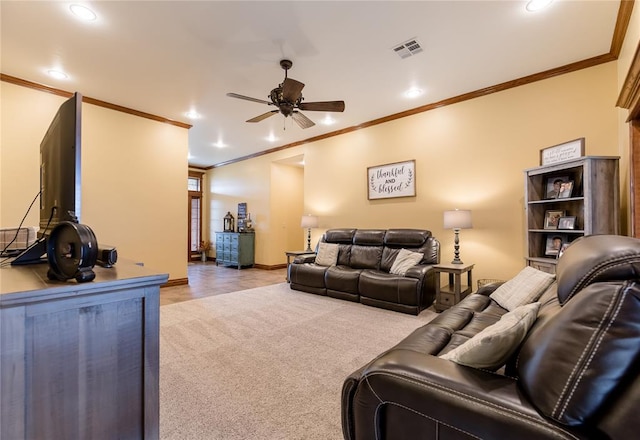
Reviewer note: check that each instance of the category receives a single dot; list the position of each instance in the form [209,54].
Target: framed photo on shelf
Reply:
[551,219]
[568,222]
[554,244]
[566,189]
[554,186]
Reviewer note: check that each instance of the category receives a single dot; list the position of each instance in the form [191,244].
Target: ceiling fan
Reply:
[288,98]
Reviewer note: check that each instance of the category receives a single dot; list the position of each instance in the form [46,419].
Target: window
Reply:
[194,183]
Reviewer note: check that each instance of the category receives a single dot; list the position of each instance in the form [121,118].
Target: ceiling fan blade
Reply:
[247,98]
[263,116]
[325,106]
[291,89]
[302,120]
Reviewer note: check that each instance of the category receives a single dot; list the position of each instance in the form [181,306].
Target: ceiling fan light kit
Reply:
[287,97]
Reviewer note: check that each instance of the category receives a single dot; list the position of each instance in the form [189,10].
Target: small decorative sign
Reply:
[392,180]
[559,153]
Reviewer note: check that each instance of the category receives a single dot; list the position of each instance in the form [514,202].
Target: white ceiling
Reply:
[169,57]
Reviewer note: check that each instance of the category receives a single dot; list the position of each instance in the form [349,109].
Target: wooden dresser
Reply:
[235,248]
[79,361]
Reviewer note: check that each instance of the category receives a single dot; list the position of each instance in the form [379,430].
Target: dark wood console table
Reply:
[79,361]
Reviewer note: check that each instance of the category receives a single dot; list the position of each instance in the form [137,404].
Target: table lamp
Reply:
[456,220]
[309,221]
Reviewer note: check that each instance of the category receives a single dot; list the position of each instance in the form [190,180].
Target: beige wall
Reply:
[287,197]
[273,193]
[469,155]
[134,174]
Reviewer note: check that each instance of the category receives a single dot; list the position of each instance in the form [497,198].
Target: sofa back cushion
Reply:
[340,236]
[406,238]
[366,250]
[369,237]
[597,258]
[576,362]
[343,238]
[415,240]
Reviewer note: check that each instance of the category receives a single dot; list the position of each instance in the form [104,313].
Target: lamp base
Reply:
[456,247]
[308,249]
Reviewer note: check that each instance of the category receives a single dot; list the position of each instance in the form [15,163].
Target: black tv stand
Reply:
[34,254]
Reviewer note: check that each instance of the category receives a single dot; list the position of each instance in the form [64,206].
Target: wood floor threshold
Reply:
[176,282]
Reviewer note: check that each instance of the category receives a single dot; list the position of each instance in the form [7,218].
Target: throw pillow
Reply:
[327,254]
[492,347]
[404,260]
[524,288]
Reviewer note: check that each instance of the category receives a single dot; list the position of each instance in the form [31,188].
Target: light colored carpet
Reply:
[266,363]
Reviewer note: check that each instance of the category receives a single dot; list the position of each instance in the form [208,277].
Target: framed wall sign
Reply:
[559,153]
[392,180]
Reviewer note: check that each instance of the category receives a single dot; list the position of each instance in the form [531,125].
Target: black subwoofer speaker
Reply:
[72,251]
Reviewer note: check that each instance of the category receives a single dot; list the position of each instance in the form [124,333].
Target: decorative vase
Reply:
[203,257]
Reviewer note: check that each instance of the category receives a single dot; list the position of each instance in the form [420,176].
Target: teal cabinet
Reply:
[235,249]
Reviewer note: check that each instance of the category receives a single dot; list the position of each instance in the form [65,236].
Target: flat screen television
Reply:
[59,176]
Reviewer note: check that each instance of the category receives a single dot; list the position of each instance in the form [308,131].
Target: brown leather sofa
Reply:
[575,376]
[362,271]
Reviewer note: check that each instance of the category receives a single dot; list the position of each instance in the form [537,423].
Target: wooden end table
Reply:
[455,291]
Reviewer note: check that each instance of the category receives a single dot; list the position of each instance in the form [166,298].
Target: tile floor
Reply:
[207,279]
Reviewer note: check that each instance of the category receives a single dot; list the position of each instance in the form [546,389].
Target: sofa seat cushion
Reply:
[454,326]
[342,278]
[389,287]
[308,274]
[491,347]
[469,317]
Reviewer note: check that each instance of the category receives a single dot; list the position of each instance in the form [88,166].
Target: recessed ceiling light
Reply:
[192,114]
[328,120]
[57,74]
[83,13]
[536,5]
[271,138]
[413,92]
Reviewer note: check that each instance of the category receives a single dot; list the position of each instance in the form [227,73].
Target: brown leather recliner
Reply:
[575,376]
[362,271]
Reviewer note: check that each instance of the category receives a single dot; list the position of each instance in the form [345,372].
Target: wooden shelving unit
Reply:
[594,202]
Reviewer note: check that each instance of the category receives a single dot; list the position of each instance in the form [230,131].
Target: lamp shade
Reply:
[457,219]
[309,221]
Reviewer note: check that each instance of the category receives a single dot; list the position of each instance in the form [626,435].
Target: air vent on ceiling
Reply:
[408,48]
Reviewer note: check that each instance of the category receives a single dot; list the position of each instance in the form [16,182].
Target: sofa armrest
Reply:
[418,271]
[305,258]
[434,395]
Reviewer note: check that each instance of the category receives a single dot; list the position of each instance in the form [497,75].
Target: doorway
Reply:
[194,215]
